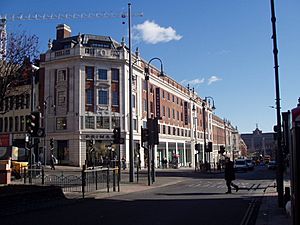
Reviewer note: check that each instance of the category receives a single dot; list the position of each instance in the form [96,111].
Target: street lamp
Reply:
[204,102]
[147,72]
[195,134]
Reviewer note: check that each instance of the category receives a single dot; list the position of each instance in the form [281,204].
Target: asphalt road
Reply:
[197,199]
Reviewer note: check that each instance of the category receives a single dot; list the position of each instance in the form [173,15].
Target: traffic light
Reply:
[51,143]
[145,135]
[116,135]
[209,146]
[153,131]
[33,124]
[222,149]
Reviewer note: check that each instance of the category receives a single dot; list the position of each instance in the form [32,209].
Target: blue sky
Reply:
[221,48]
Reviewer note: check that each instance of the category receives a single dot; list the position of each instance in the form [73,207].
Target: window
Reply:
[151,107]
[102,97]
[169,113]
[163,93]
[174,131]
[144,84]
[164,129]
[90,96]
[133,101]
[168,96]
[16,123]
[145,105]
[89,70]
[22,123]
[61,98]
[102,74]
[89,122]
[10,124]
[164,110]
[1,125]
[27,101]
[102,122]
[61,123]
[5,124]
[169,130]
[11,103]
[173,113]
[22,101]
[115,98]
[18,103]
[6,104]
[115,74]
[177,115]
[173,98]
[61,75]
[115,122]
[134,125]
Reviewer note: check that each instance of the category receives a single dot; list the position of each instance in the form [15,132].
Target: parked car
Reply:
[272,165]
[240,165]
[250,164]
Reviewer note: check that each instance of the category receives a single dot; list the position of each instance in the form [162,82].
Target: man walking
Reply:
[229,175]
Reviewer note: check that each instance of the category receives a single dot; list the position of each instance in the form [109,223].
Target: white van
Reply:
[240,165]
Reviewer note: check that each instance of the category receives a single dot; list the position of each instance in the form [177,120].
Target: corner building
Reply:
[86,84]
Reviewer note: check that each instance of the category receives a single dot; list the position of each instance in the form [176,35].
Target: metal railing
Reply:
[86,180]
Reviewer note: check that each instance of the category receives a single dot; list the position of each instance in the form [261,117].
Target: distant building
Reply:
[259,143]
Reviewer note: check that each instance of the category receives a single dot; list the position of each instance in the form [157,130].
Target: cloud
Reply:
[213,79]
[152,33]
[193,82]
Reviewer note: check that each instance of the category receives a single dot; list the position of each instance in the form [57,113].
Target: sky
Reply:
[221,48]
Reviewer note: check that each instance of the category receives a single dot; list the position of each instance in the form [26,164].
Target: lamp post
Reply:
[131,156]
[150,147]
[195,135]
[279,177]
[204,102]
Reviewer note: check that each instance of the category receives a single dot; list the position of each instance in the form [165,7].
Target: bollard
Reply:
[114,179]
[83,179]
[43,176]
[107,179]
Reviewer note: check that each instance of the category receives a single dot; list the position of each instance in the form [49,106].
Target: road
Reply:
[196,199]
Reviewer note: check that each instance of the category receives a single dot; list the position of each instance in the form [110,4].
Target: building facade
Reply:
[84,81]
[260,144]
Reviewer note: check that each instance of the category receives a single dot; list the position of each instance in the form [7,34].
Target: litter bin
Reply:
[5,176]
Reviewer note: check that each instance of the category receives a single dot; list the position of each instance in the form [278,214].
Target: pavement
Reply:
[268,214]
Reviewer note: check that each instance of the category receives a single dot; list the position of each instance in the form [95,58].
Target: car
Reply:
[240,165]
[250,164]
[272,165]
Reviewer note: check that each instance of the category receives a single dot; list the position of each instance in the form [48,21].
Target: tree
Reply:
[15,65]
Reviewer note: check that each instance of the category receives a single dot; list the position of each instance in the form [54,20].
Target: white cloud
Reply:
[152,33]
[195,82]
[213,79]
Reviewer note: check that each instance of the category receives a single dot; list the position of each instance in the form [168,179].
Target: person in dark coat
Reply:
[229,175]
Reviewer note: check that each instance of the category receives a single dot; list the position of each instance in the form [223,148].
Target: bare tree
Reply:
[16,61]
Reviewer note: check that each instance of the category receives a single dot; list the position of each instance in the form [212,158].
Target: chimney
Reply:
[62,31]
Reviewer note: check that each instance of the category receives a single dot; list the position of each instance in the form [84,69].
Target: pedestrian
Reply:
[229,175]
[52,162]
[123,160]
